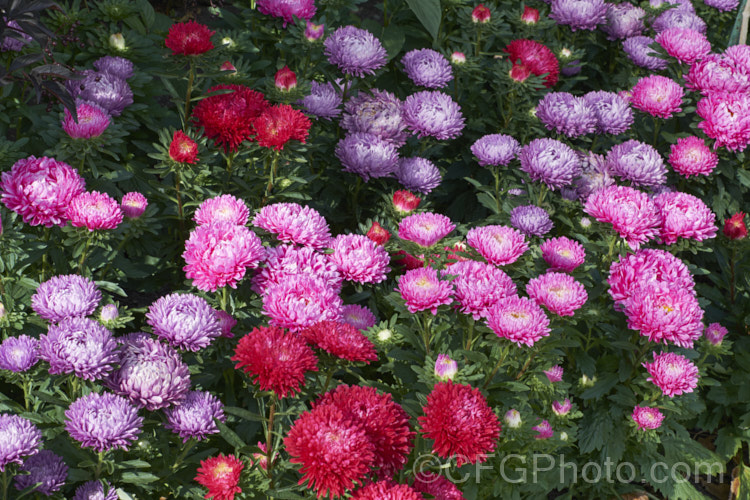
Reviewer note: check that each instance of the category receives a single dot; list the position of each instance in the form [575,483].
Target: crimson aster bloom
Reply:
[221,476]
[341,340]
[183,149]
[734,227]
[437,486]
[279,124]
[386,490]
[533,57]
[189,39]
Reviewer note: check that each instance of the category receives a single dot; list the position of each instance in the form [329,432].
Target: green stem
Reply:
[180,211]
[186,447]
[269,438]
[656,131]
[191,77]
[478,42]
[230,165]
[5,484]
[732,275]
[26,391]
[542,194]
[224,298]
[426,332]
[272,175]
[503,355]
[470,334]
[496,174]
[526,365]
[84,254]
[99,462]
[329,376]
[45,262]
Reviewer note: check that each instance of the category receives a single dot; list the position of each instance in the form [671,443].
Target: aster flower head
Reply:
[227,322]
[530,15]
[434,114]
[554,374]
[512,419]
[285,261]
[623,20]
[279,124]
[638,163]
[184,320]
[109,313]
[386,490]
[115,66]
[40,190]
[562,254]
[657,95]
[665,313]
[723,5]
[324,101]
[550,161]
[560,293]
[367,155]
[543,429]
[79,345]
[734,227]
[647,418]
[287,9]
[422,290]
[673,373]
[458,58]
[378,233]
[133,204]
[189,39]
[631,212]
[359,259]
[376,112]
[14,37]
[531,220]
[739,55]
[18,354]
[718,73]
[93,120]
[93,490]
[478,286]
[44,467]
[293,223]
[613,113]
[495,150]
[224,208]
[726,118]
[94,211]
[499,245]
[425,229]
[103,421]
[66,296]
[519,320]
[194,417]
[418,174]
[690,156]
[445,368]
[481,14]
[679,18]
[183,149]
[714,333]
[684,216]
[638,50]
[562,408]
[111,93]
[532,57]
[355,51]
[360,317]
[566,114]
[427,68]
[684,44]
[405,202]
[221,476]
[19,438]
[313,31]
[579,14]
[300,301]
[460,422]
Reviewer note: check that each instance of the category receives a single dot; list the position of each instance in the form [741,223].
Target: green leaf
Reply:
[601,387]
[429,14]
[243,413]
[138,477]
[393,38]
[230,436]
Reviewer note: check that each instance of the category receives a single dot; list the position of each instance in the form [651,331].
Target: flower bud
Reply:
[133,205]
[117,42]
[227,66]
[384,335]
[228,42]
[262,458]
[715,333]
[562,408]
[563,436]
[513,418]
[735,228]
[285,79]
[314,31]
[226,322]
[458,58]
[481,14]
[530,15]
[585,222]
[2,310]
[405,202]
[109,313]
[554,374]
[378,234]
[445,368]
[519,73]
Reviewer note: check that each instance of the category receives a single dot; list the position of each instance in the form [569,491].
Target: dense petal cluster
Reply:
[550,161]
[300,301]
[566,114]
[436,485]
[637,162]
[723,5]
[494,150]
[684,216]
[531,220]
[285,261]
[189,38]
[478,286]
[638,50]
[726,118]
[684,44]
[717,73]
[221,476]
[184,320]
[79,345]
[673,373]
[499,245]
[19,438]
[665,313]
[115,66]
[519,320]
[103,421]
[632,213]
[104,89]
[562,254]
[367,155]
[18,354]
[224,208]
[422,290]
[183,149]
[595,174]
[358,316]
[386,490]
[657,95]
[94,211]
[715,333]
[690,156]
[613,113]
[623,20]
[427,68]
[433,113]
[287,9]
[560,293]
[376,112]
[65,296]
[133,204]
[279,124]
[532,56]
[341,340]
[293,223]
[194,417]
[647,418]
[92,121]
[425,229]
[355,51]
[93,490]
[579,14]
[46,468]
[359,259]
[323,102]
[679,18]
[418,174]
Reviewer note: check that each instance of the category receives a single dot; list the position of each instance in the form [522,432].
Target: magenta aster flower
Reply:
[367,155]
[554,374]
[360,317]
[18,354]
[418,174]
[631,212]
[519,320]
[690,156]
[133,205]
[578,14]
[717,73]
[566,114]
[184,320]
[714,333]
[657,95]
[19,438]
[638,50]
[46,468]
[194,417]
[531,220]
[613,113]
[499,245]
[324,101]
[673,373]
[285,261]
[624,20]
[386,490]
[300,301]
[562,408]
[550,161]
[115,66]
[79,345]
[359,259]
[684,44]
[224,208]
[637,162]
[421,289]
[684,216]
[376,112]
[494,150]
[287,9]
[425,229]
[433,113]
[94,211]
[560,293]
[726,118]
[544,430]
[479,286]
[92,121]
[65,296]
[562,254]
[226,322]
[355,51]
[427,68]
[293,223]
[739,55]
[445,368]
[665,313]
[103,422]
[647,418]
[40,190]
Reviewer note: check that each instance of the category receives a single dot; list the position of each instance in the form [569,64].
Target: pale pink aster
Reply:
[425,229]
[519,320]
[726,118]
[422,290]
[665,313]
[300,301]
[673,373]
[133,204]
[684,216]
[562,408]
[499,245]
[360,317]
[684,44]
[479,286]
[544,430]
[647,418]
[631,212]
[554,374]
[657,95]
[715,333]
[293,223]
[94,211]
[359,259]
[560,293]
[445,368]
[288,260]
[739,55]
[562,254]
[93,120]
[690,156]
[222,208]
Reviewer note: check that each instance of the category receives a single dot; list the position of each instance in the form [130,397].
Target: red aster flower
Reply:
[407,260]
[333,449]
[385,490]
[285,79]
[735,227]
[228,66]
[459,421]
[189,39]
[537,59]
[385,423]
[378,234]
[437,486]
[227,118]
[405,202]
[220,475]
[481,14]
[530,15]
[183,149]
[275,360]
[278,124]
[340,339]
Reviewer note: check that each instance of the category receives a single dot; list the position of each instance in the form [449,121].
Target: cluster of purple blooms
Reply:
[595,112]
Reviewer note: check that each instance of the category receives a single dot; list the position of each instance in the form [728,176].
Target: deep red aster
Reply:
[340,339]
[189,39]
[385,423]
[386,490]
[285,79]
[279,124]
[734,227]
[436,485]
[220,475]
[183,149]
[378,234]
[228,118]
[459,421]
[536,58]
[333,449]
[275,360]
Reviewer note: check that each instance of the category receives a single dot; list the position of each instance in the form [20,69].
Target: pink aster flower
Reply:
[360,317]
[647,418]
[554,374]
[684,44]
[544,430]
[631,212]
[726,118]
[94,211]
[218,255]
[718,73]
[133,204]
[422,289]
[562,254]
[293,223]
[93,120]
[657,95]
[691,156]
[499,245]
[715,333]
[684,216]
[479,286]
[519,320]
[665,313]
[560,293]
[300,301]
[222,208]
[673,373]
[425,229]
[360,259]
[562,408]
[285,261]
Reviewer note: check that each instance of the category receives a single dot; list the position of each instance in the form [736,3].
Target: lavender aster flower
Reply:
[723,5]
[367,155]
[377,113]
[624,20]
[45,467]
[678,18]
[427,68]
[118,67]
[185,321]
[103,421]
[15,38]
[18,438]
[566,114]
[195,416]
[323,102]
[578,14]
[595,174]
[93,490]
[531,220]
[79,345]
[637,162]
[18,354]
[108,91]
[355,51]
[613,113]
[65,296]
[433,113]
[495,149]
[637,49]
[418,174]
[550,162]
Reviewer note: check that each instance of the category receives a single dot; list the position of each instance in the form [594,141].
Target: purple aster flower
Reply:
[45,467]
[65,296]
[566,114]
[152,375]
[531,220]
[103,421]
[18,438]
[624,20]
[550,161]
[18,354]
[613,113]
[723,5]
[79,345]
[495,149]
[637,162]
[679,18]
[379,113]
[15,38]
[595,174]
[118,67]
[418,174]
[108,91]
[323,102]
[427,68]
[578,14]
[355,51]
[637,49]
[93,490]
[185,321]
[194,418]
[433,113]
[358,316]
[367,155]
[686,5]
